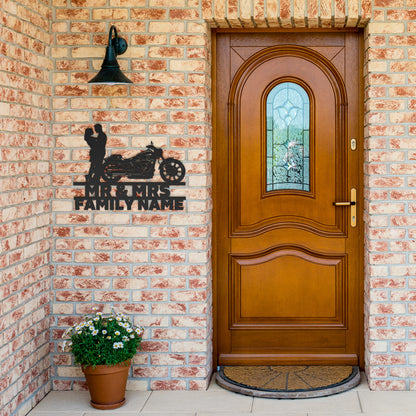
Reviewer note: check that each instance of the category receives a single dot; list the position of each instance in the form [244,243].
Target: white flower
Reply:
[139,331]
[125,338]
[132,336]
[66,333]
[96,319]
[99,313]
[129,330]
[118,318]
[79,332]
[104,331]
[117,333]
[95,332]
[109,337]
[91,328]
[117,345]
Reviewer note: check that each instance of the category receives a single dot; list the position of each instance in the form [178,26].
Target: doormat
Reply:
[288,381]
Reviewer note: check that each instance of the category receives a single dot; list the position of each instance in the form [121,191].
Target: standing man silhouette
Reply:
[97,152]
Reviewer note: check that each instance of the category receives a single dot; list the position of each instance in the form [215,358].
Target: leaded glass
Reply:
[287,125]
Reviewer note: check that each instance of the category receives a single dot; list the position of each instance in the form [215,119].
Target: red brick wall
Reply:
[155,265]
[390,75]
[25,199]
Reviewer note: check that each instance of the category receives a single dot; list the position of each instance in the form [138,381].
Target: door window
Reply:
[287,124]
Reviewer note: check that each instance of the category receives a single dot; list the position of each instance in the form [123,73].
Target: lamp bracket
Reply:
[119,44]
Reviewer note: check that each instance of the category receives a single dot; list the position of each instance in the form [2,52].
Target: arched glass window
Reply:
[288,114]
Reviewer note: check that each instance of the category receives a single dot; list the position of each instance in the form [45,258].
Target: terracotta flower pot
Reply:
[107,384]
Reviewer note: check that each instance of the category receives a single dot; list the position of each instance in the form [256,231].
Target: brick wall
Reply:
[155,266]
[25,185]
[390,75]
[152,265]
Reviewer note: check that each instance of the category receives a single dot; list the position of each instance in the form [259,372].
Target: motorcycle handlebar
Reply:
[158,151]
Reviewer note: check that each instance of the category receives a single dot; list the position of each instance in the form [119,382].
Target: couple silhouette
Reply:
[97,152]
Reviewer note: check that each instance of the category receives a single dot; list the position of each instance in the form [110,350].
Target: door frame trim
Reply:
[215,175]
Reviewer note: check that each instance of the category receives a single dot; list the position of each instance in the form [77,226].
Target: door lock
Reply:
[352,204]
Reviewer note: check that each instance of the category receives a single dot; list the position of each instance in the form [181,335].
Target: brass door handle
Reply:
[343,204]
[352,204]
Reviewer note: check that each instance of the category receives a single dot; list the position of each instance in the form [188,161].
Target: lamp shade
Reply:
[110,72]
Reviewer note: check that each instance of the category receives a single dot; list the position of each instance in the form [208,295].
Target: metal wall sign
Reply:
[104,188]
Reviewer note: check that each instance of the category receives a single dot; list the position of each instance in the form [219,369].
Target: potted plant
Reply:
[104,346]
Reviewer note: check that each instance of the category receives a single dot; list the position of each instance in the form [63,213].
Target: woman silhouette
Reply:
[97,152]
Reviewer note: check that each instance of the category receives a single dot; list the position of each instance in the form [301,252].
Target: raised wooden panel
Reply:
[255,211]
[286,340]
[285,287]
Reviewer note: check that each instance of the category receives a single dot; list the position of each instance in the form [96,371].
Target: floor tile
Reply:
[115,412]
[224,414]
[334,413]
[250,414]
[407,412]
[169,414]
[388,403]
[343,402]
[203,401]
[61,402]
[76,403]
[363,385]
[36,412]
[214,386]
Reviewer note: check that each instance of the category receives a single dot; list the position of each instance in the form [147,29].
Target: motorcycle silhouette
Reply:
[142,166]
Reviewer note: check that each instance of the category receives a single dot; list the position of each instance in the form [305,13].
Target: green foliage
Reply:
[101,339]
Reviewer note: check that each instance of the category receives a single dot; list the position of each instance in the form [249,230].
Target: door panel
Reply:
[288,262]
[276,299]
[254,208]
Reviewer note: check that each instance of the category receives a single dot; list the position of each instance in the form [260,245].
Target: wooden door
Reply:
[287,147]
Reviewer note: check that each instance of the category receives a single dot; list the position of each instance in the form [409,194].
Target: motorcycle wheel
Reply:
[108,173]
[172,170]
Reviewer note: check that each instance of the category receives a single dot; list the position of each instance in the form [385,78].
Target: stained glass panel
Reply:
[288,113]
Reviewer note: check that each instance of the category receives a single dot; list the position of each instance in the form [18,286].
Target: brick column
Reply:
[390,194]
[25,204]
[152,265]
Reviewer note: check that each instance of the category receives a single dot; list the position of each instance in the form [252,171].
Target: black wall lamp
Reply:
[110,72]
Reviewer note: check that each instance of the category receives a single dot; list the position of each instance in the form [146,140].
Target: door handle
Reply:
[343,204]
[352,204]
